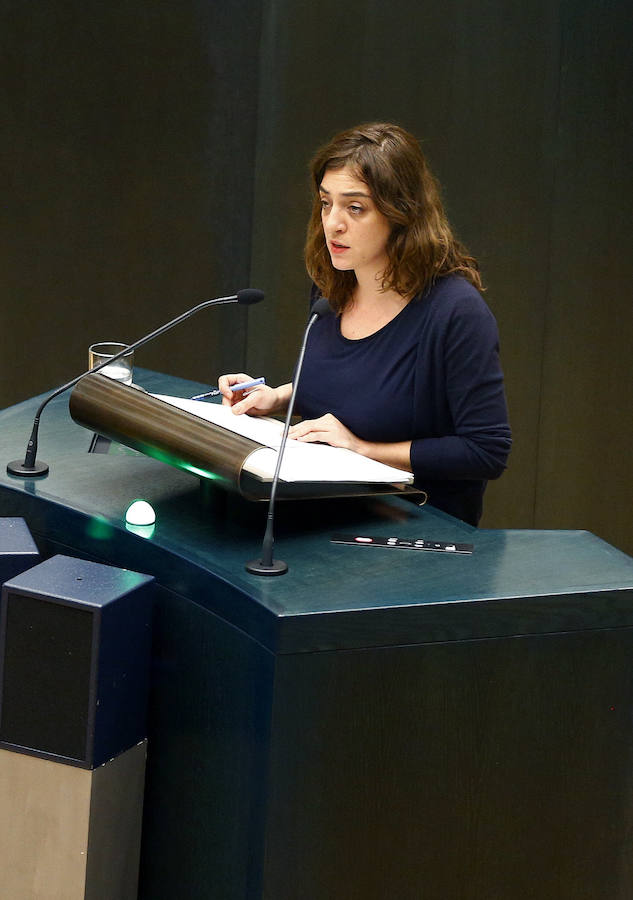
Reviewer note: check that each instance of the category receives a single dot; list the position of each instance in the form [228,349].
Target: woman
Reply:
[405,370]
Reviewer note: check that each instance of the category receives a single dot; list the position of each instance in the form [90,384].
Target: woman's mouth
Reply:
[335,247]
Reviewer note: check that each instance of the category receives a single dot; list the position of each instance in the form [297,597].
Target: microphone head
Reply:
[249,295]
[321,307]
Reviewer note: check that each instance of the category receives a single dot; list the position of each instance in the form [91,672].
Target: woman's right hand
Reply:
[259,401]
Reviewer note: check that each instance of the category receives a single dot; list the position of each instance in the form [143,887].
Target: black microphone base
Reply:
[18,468]
[258,567]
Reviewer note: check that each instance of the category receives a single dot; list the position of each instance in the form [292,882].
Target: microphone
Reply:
[266,565]
[30,467]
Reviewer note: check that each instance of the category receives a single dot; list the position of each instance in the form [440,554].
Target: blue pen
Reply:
[243,386]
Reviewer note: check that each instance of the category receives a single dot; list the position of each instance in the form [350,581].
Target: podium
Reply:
[378,723]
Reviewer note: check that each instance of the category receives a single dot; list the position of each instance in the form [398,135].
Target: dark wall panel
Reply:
[128,142]
[586,434]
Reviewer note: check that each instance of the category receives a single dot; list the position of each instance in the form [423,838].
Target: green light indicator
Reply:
[140,512]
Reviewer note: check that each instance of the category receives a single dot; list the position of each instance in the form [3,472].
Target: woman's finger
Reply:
[230,397]
[258,401]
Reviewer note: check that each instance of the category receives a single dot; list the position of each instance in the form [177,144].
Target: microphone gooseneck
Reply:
[30,467]
[265,564]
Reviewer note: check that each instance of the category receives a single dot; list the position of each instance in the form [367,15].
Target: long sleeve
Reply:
[460,399]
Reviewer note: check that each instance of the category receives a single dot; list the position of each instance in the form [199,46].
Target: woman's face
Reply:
[355,232]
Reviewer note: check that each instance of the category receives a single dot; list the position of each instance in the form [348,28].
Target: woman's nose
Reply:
[335,221]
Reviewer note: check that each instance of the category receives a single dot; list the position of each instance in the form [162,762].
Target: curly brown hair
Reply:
[421,246]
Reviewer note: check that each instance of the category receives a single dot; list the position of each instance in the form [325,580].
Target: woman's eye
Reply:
[356,209]
[324,204]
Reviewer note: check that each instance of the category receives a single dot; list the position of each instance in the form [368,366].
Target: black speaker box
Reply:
[74,660]
[17,548]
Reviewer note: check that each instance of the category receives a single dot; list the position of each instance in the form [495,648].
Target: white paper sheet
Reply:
[301,462]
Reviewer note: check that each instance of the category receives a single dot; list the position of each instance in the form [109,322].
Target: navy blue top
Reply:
[431,375]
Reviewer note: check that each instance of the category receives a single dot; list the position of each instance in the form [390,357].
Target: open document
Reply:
[301,462]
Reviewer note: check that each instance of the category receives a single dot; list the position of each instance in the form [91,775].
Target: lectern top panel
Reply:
[514,582]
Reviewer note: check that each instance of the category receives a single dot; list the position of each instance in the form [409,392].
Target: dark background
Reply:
[155,154]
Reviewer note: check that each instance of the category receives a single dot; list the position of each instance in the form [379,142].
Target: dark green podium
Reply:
[376,724]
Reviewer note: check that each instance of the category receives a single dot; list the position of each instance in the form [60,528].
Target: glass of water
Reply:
[121,370]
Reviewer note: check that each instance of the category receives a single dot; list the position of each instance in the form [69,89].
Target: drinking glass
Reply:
[121,370]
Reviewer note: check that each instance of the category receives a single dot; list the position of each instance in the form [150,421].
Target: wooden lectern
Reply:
[378,723]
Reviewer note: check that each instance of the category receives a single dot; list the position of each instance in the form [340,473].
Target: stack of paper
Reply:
[301,461]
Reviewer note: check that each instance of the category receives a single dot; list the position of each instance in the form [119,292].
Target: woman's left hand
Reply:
[327,430]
